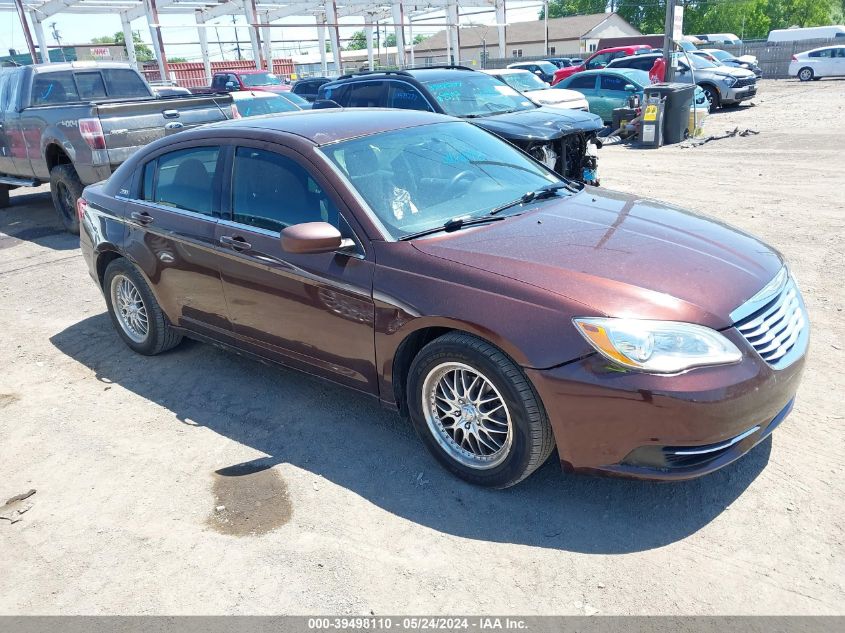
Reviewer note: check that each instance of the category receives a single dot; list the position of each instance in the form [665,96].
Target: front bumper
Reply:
[735,95]
[631,424]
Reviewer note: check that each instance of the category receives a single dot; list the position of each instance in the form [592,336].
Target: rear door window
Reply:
[52,88]
[184,179]
[370,94]
[583,82]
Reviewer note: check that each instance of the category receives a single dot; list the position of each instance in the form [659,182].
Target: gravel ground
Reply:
[145,468]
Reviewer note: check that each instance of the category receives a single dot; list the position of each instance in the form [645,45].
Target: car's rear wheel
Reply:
[66,189]
[476,412]
[134,311]
[805,74]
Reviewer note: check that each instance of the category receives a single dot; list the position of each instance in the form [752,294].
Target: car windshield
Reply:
[637,78]
[261,79]
[721,55]
[523,81]
[697,62]
[295,98]
[416,179]
[547,67]
[264,105]
[475,95]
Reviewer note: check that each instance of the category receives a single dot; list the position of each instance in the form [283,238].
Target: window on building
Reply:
[592,48]
[552,50]
[517,52]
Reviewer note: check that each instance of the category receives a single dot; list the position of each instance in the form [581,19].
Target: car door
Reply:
[837,62]
[611,94]
[172,217]
[5,139]
[312,311]
[585,84]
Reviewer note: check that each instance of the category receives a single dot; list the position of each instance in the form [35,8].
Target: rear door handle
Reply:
[142,218]
[235,242]
[170,114]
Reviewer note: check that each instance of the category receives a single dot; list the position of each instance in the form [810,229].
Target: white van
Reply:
[809,33]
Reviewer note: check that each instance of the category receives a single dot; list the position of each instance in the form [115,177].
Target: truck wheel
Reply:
[66,189]
[4,196]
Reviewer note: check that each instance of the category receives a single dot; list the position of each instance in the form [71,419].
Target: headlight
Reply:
[660,347]
[729,81]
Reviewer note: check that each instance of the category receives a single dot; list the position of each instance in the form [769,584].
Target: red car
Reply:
[233,80]
[599,59]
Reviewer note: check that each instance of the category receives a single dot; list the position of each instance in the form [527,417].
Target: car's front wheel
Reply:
[712,95]
[134,311]
[805,74]
[476,411]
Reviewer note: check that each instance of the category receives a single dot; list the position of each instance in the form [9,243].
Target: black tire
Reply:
[712,94]
[66,189]
[160,336]
[531,435]
[805,74]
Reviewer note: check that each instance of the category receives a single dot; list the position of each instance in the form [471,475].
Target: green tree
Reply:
[142,51]
[390,40]
[564,8]
[357,42]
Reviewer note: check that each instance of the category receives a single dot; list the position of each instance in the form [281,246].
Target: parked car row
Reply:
[558,138]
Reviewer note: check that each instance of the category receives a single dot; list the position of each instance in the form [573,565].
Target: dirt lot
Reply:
[143,467]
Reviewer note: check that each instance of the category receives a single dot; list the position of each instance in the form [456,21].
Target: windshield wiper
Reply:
[546,191]
[454,224]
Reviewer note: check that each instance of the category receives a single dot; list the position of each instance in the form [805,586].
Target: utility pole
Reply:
[668,43]
[26,34]
[237,39]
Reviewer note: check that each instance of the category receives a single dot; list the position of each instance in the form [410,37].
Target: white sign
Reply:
[101,51]
[678,26]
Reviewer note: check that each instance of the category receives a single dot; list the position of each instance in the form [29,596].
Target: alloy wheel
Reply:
[467,415]
[129,308]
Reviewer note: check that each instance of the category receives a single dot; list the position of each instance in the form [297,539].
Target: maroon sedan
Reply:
[426,262]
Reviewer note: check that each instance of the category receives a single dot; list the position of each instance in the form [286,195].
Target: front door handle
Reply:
[142,218]
[236,243]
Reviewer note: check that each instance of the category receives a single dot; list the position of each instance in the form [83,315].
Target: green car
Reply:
[606,90]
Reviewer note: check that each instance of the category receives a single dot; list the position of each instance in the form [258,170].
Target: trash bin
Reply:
[677,100]
[651,127]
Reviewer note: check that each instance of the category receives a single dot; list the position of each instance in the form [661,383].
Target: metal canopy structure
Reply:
[260,15]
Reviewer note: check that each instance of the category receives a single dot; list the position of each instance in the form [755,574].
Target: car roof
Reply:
[78,65]
[609,69]
[332,125]
[250,71]
[506,71]
[239,95]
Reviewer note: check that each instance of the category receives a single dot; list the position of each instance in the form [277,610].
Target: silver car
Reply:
[723,85]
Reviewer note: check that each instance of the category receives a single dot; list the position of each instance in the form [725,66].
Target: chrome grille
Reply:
[778,329]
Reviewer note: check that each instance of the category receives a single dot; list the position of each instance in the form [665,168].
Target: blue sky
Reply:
[79,29]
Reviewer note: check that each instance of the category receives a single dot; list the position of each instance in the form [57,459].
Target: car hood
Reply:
[272,88]
[733,71]
[541,124]
[618,255]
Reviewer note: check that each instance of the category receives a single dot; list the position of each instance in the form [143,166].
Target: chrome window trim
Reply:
[360,253]
[164,207]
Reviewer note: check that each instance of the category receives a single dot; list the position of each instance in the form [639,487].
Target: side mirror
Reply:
[311,237]
[630,88]
[539,73]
